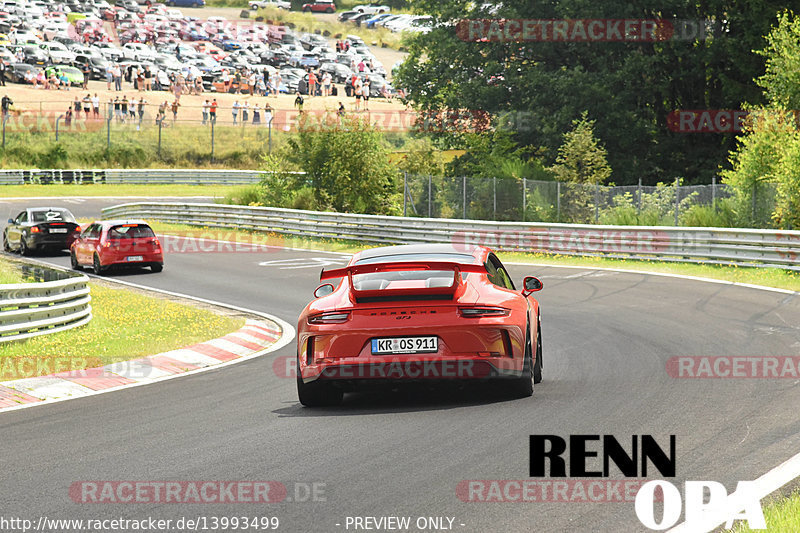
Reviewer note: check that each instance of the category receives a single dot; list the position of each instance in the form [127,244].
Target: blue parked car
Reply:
[185,3]
[370,23]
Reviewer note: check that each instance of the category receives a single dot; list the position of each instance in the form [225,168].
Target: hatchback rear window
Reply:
[130,231]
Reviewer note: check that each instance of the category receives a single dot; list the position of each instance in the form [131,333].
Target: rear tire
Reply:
[6,246]
[522,387]
[537,365]
[155,267]
[73,261]
[97,268]
[317,393]
[23,247]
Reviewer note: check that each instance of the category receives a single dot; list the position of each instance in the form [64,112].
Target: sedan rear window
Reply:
[52,215]
[130,231]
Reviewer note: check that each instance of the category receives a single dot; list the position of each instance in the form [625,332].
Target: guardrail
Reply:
[744,247]
[131,176]
[59,303]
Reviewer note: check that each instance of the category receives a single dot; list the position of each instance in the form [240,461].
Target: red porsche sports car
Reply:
[418,312]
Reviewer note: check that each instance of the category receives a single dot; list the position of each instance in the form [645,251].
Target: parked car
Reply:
[38,228]
[320,6]
[17,71]
[373,9]
[258,4]
[123,243]
[74,76]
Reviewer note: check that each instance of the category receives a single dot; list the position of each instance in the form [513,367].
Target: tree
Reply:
[346,165]
[580,158]
[629,88]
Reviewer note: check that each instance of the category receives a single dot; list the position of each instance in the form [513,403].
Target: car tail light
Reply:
[480,312]
[331,317]
[35,229]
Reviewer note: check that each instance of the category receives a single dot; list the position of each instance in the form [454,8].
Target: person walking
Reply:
[175,105]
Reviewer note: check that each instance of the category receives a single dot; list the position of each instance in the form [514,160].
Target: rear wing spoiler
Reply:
[403,266]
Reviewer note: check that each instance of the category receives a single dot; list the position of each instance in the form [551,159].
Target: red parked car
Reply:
[418,312]
[108,243]
[319,7]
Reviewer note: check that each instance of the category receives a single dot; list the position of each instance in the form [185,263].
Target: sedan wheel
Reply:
[97,268]
[73,261]
[6,246]
[23,247]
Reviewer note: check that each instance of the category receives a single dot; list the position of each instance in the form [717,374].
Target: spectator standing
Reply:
[123,107]
[365,94]
[96,105]
[76,106]
[132,108]
[206,106]
[251,81]
[109,76]
[298,102]
[68,117]
[245,112]
[198,85]
[235,110]
[5,104]
[2,73]
[175,105]
[276,83]
[87,104]
[357,93]
[256,114]
[117,73]
[148,79]
[212,111]
[326,84]
[267,113]
[312,83]
[226,79]
[87,73]
[361,66]
[340,111]
[117,104]
[140,105]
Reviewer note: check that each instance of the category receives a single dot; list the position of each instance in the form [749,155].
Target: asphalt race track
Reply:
[607,337]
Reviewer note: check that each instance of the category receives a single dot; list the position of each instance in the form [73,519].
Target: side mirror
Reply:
[531,284]
[323,290]
[10,220]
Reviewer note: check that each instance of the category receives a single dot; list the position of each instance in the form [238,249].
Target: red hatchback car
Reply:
[109,243]
[319,7]
[418,312]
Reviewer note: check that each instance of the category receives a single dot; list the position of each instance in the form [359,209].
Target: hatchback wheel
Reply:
[97,268]
[73,261]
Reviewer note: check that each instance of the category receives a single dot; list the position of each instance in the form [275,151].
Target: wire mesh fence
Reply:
[552,201]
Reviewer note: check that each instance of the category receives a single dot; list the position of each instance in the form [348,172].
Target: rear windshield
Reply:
[52,215]
[130,231]
[411,279]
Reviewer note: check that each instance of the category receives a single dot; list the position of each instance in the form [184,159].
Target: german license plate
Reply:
[58,230]
[395,345]
[134,258]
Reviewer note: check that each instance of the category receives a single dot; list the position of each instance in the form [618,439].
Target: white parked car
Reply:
[23,36]
[57,52]
[258,4]
[138,52]
[373,9]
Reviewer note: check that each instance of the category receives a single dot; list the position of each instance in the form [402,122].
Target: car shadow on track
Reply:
[403,400]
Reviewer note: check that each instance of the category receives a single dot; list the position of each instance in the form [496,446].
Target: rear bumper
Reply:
[122,260]
[353,372]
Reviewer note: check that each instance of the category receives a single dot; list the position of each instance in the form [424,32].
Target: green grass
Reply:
[185,145]
[782,516]
[125,325]
[9,273]
[110,189]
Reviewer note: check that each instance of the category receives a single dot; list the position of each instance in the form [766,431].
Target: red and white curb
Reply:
[255,338]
